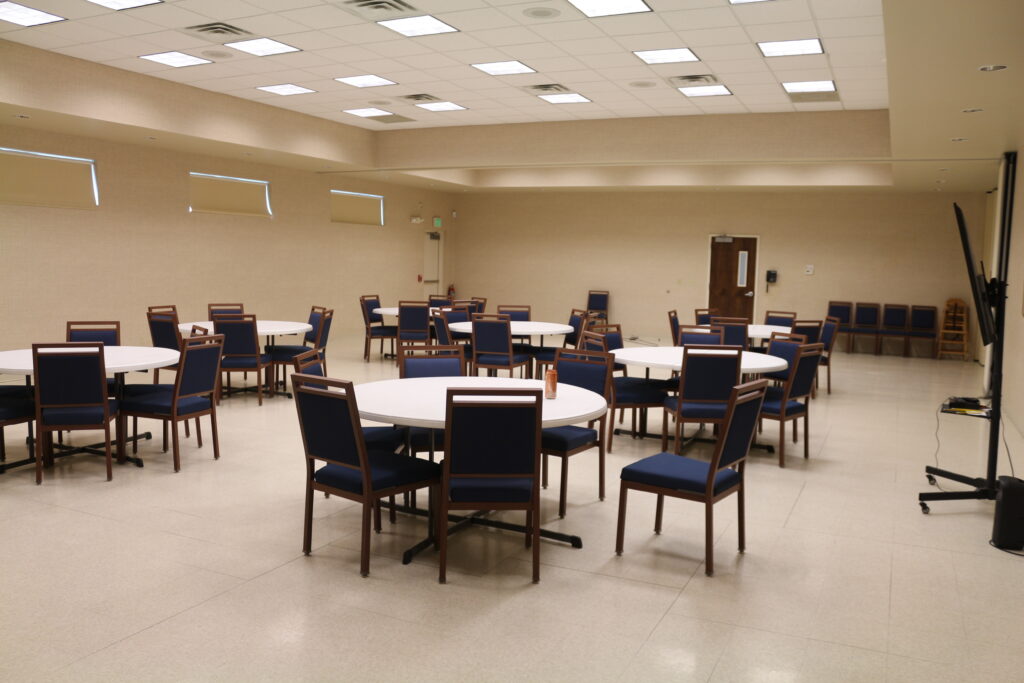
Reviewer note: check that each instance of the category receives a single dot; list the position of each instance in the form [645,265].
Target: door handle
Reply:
[751,293]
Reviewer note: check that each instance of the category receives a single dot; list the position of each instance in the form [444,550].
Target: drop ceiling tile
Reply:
[697,39]
[608,61]
[804,75]
[591,46]
[690,20]
[859,72]
[744,91]
[475,19]
[363,34]
[630,73]
[725,108]
[252,65]
[832,9]
[172,16]
[319,17]
[853,26]
[776,99]
[862,86]
[143,66]
[222,9]
[793,30]
[732,66]
[534,50]
[93,52]
[721,53]
[679,69]
[299,59]
[175,40]
[269,25]
[670,5]
[750,78]
[776,11]
[632,24]
[506,36]
[795,62]
[445,42]
[79,33]
[39,37]
[410,76]
[378,67]
[545,64]
[651,41]
[568,30]
[121,23]
[433,60]
[278,5]
[457,73]
[313,40]
[857,47]
[817,106]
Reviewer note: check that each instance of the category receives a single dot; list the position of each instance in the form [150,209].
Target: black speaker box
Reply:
[1008,529]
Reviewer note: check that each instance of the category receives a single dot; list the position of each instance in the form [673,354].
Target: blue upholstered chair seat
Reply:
[711,411]
[414,336]
[387,470]
[419,437]
[501,359]
[384,438]
[671,384]
[159,402]
[774,407]
[133,390]
[15,392]
[90,415]
[461,335]
[283,353]
[566,438]
[545,353]
[16,408]
[672,471]
[243,363]
[384,331]
[472,489]
[637,390]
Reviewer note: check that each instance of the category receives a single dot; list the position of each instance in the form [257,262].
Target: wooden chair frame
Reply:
[887,331]
[689,352]
[599,312]
[368,324]
[258,364]
[492,369]
[743,393]
[399,342]
[863,329]
[219,309]
[806,350]
[715,331]
[826,356]
[817,324]
[93,326]
[779,314]
[167,309]
[699,313]
[163,316]
[725,322]
[916,332]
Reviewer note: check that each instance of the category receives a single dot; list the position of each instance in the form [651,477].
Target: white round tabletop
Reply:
[671,358]
[264,328]
[393,310]
[765,331]
[521,327]
[115,358]
[420,401]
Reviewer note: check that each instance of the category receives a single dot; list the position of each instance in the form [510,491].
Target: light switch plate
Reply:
[808,270]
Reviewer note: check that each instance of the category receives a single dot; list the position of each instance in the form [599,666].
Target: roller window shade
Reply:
[354,207]
[224,194]
[38,179]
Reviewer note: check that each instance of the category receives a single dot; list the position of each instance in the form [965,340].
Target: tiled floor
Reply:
[199,575]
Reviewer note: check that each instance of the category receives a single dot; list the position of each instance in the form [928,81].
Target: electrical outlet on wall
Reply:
[808,270]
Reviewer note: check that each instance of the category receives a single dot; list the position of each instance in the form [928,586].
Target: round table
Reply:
[671,358]
[393,310]
[421,401]
[521,328]
[765,331]
[264,328]
[116,359]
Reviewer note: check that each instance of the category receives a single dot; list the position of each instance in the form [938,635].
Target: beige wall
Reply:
[142,247]
[650,249]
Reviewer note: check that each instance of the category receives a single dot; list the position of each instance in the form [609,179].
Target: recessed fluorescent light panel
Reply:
[681,54]
[25,16]
[440,106]
[705,90]
[262,47]
[607,8]
[124,4]
[418,26]
[285,89]
[564,98]
[810,86]
[175,59]
[504,68]
[786,48]
[367,113]
[367,81]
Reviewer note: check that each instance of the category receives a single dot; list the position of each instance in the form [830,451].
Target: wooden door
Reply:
[733,274]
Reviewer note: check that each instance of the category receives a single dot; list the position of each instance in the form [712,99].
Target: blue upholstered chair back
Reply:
[806,370]
[740,423]
[709,376]
[828,333]
[866,315]
[703,316]
[701,338]
[516,314]
[775,318]
[222,309]
[110,336]
[314,321]
[199,366]
[492,336]
[734,334]
[841,310]
[329,424]
[595,341]
[441,329]
[673,326]
[458,314]
[413,318]
[787,350]
[576,318]
[923,318]
[310,363]
[438,301]
[239,334]
[894,317]
[369,317]
[590,371]
[597,301]
[325,331]
[434,366]
[809,328]
[69,378]
[163,330]
[493,432]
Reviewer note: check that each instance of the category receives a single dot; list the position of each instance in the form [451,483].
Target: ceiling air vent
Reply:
[545,88]
[380,10]
[393,118]
[689,81]
[421,97]
[799,97]
[215,31]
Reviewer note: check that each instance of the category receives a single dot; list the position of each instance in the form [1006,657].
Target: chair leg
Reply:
[544,471]
[535,527]
[620,530]
[807,435]
[709,537]
[164,427]
[174,441]
[188,433]
[442,537]
[391,511]
[659,509]
[364,546]
[307,525]
[782,443]
[563,485]
[42,436]
[135,435]
[828,370]
[794,430]
[199,433]
[611,427]
[600,464]
[741,518]
[528,536]
[213,431]
[376,516]
[664,431]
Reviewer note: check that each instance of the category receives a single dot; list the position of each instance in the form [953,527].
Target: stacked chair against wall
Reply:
[790,401]
[590,370]
[843,312]
[597,303]
[866,319]
[374,324]
[329,422]
[668,474]
[924,324]
[895,325]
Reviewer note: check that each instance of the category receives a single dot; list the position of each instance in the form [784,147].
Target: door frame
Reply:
[757,268]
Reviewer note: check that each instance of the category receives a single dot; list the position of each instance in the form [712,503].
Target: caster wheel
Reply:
[925,509]
[931,479]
